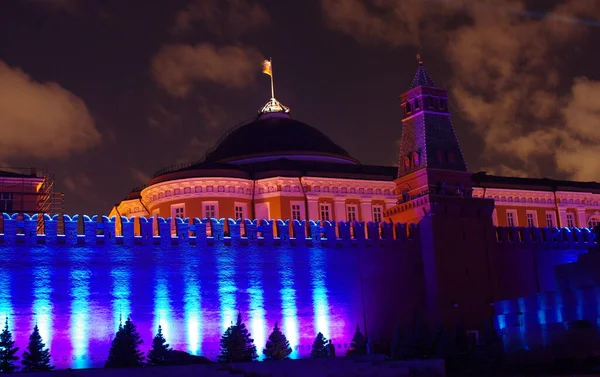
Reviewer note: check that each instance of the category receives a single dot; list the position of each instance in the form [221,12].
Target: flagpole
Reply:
[272,86]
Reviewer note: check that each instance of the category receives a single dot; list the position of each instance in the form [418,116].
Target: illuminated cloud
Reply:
[77,183]
[506,73]
[41,120]
[177,68]
[221,17]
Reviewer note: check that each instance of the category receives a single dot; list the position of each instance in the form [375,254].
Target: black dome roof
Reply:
[275,135]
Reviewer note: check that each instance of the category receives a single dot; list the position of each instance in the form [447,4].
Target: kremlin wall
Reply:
[336,243]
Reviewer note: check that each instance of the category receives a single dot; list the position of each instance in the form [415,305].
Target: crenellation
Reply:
[71,225]
[100,229]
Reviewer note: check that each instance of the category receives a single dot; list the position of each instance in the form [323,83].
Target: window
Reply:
[6,202]
[531,220]
[511,218]
[570,220]
[425,102]
[211,210]
[239,212]
[351,211]
[593,222]
[296,214]
[549,219]
[180,212]
[415,160]
[377,214]
[406,164]
[325,212]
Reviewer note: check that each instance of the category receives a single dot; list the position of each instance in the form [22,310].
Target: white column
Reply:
[313,209]
[339,209]
[581,220]
[365,210]
[562,217]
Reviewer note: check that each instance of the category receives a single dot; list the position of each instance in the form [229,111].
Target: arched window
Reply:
[451,158]
[405,196]
[408,107]
[406,163]
[439,156]
[415,160]
[594,221]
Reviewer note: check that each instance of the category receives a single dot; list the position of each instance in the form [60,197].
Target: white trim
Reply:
[209,203]
[244,208]
[302,210]
[354,206]
[534,218]
[552,219]
[376,208]
[514,216]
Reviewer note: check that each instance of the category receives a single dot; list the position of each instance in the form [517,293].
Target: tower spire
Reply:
[273,106]
[422,77]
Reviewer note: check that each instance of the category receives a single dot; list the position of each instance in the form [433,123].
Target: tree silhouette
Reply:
[7,351]
[160,352]
[358,346]
[124,350]
[236,344]
[37,357]
[277,347]
[320,347]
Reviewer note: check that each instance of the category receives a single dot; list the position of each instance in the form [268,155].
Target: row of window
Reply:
[426,102]
[531,217]
[210,210]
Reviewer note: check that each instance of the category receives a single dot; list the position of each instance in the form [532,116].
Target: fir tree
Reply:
[160,352]
[320,348]
[358,346]
[37,357]
[278,347]
[7,351]
[330,348]
[236,344]
[124,350]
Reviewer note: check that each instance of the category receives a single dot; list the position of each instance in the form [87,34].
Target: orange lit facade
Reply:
[21,193]
[278,168]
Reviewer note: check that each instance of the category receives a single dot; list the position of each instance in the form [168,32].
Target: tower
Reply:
[434,191]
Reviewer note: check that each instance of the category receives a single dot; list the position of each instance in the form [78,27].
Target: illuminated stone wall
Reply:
[77,287]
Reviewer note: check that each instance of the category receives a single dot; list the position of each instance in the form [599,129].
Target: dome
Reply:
[276,135]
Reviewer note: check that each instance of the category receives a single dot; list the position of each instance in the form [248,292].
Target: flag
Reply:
[267,70]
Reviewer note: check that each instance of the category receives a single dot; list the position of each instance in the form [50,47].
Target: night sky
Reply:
[104,93]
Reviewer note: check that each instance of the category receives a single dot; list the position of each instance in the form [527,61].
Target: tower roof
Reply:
[422,77]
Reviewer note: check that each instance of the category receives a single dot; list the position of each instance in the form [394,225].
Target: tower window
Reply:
[425,102]
[416,103]
[415,160]
[451,157]
[439,156]
[406,164]
[408,107]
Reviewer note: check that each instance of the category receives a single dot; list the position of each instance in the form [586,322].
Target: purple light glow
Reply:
[78,295]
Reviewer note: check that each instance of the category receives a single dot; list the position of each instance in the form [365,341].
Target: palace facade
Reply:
[276,167]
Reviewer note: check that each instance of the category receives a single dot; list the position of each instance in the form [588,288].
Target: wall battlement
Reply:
[98,230]
[555,238]
[101,230]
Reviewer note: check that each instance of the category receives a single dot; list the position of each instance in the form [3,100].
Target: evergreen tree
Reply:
[330,348]
[160,352]
[7,351]
[124,350]
[278,347]
[37,357]
[320,347]
[236,344]
[358,346]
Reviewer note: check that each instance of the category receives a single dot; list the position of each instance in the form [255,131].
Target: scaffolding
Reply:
[25,191]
